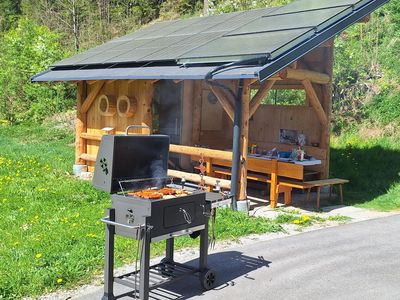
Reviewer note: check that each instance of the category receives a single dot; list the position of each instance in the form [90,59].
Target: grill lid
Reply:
[125,157]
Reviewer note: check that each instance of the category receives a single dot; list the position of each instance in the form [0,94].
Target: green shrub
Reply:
[24,51]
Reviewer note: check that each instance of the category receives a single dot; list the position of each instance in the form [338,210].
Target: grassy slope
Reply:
[373,167]
[49,228]
[366,109]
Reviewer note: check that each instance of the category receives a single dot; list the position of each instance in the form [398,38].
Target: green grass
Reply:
[339,218]
[372,165]
[49,222]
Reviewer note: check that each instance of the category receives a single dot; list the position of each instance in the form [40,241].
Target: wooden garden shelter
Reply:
[205,80]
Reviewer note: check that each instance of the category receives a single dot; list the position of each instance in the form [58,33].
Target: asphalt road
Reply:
[354,261]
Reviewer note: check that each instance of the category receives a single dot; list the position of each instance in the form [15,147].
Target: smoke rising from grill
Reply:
[158,173]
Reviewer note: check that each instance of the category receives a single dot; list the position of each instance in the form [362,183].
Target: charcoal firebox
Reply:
[148,206]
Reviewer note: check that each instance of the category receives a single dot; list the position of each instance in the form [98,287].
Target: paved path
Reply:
[353,261]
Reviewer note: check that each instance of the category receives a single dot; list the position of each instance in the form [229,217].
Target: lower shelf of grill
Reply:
[158,274]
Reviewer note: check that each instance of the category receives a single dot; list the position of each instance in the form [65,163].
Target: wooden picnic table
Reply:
[264,170]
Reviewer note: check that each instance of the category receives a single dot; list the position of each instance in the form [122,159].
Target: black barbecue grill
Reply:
[131,168]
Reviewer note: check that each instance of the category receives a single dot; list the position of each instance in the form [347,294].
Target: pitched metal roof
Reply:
[279,35]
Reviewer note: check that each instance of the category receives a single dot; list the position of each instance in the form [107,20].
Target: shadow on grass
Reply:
[371,171]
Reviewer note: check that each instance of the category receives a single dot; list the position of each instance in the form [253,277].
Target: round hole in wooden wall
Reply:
[103,105]
[123,106]
[106,105]
[126,106]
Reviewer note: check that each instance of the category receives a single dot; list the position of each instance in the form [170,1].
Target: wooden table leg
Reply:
[287,192]
[273,191]
[308,194]
[318,196]
[341,193]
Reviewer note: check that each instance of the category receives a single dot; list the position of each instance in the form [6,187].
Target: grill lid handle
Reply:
[137,127]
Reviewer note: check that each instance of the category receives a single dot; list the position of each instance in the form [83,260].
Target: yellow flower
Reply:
[38,255]
[59,280]
[296,222]
[305,218]
[91,235]
[36,217]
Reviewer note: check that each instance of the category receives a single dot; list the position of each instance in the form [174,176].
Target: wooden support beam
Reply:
[80,124]
[91,82]
[91,97]
[197,151]
[315,103]
[88,157]
[211,181]
[260,95]
[91,137]
[176,81]
[110,81]
[327,105]
[131,81]
[279,86]
[224,99]
[302,74]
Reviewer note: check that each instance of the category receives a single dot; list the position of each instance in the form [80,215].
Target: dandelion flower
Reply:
[296,222]
[38,255]
[305,218]
[59,280]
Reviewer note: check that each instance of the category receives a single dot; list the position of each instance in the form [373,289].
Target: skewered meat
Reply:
[163,193]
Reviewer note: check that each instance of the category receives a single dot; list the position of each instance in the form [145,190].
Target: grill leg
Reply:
[169,255]
[203,248]
[109,258]
[144,266]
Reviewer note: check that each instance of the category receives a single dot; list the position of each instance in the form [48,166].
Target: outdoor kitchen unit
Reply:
[148,206]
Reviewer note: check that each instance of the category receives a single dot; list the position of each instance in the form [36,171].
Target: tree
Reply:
[24,51]
[9,11]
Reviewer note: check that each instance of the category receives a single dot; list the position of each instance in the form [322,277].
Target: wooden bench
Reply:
[308,185]
[286,190]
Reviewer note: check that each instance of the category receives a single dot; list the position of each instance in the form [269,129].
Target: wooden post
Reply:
[242,195]
[327,105]
[80,125]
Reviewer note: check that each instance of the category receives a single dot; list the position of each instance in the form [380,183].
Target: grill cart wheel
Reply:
[195,234]
[207,279]
[166,268]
